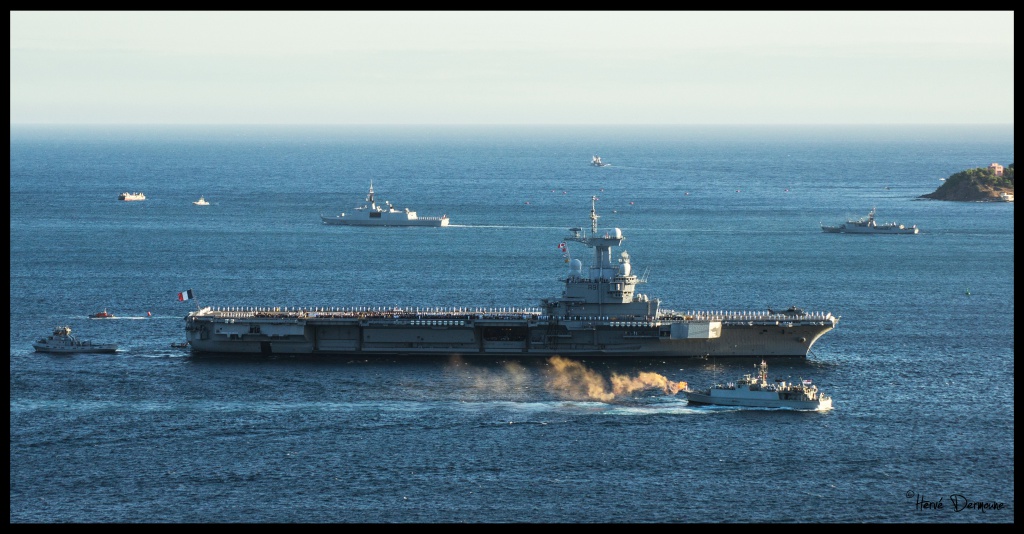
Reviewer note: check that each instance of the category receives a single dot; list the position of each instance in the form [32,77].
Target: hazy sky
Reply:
[518,67]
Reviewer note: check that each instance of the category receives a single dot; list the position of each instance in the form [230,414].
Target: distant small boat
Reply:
[126,196]
[597,162]
[102,315]
[201,202]
[1006,197]
[179,345]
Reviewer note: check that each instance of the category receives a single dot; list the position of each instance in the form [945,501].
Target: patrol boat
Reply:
[757,391]
[868,225]
[599,313]
[372,214]
[61,341]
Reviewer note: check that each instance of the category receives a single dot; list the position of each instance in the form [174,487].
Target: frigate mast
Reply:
[593,215]
[603,269]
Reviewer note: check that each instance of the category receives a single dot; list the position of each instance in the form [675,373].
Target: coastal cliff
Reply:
[975,185]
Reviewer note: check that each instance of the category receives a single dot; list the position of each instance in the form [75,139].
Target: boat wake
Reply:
[554,412]
[164,354]
[501,226]
[679,408]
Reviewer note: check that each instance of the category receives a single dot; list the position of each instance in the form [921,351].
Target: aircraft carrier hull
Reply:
[346,333]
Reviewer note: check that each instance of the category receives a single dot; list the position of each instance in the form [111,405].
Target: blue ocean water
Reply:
[720,218]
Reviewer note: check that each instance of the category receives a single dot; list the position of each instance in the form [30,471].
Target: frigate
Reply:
[868,225]
[599,313]
[373,214]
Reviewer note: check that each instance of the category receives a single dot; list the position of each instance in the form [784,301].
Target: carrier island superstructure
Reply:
[598,314]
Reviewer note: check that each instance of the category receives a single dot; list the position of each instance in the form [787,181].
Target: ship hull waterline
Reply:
[699,399]
[83,350]
[222,334]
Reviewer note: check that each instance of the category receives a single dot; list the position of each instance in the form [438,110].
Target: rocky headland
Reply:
[975,185]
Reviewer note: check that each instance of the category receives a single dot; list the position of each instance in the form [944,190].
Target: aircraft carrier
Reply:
[598,314]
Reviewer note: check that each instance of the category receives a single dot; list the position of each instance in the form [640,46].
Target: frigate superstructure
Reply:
[599,313]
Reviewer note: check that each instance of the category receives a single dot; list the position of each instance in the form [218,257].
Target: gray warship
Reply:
[758,392]
[598,314]
[868,225]
[62,342]
[373,214]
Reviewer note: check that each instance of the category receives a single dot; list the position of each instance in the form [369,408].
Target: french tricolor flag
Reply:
[186,295]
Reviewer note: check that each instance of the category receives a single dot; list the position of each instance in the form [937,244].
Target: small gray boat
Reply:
[61,341]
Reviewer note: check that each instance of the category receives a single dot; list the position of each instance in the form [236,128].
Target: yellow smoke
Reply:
[574,380]
[624,385]
[567,378]
[513,378]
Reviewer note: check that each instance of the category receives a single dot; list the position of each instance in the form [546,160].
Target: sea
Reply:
[727,218]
